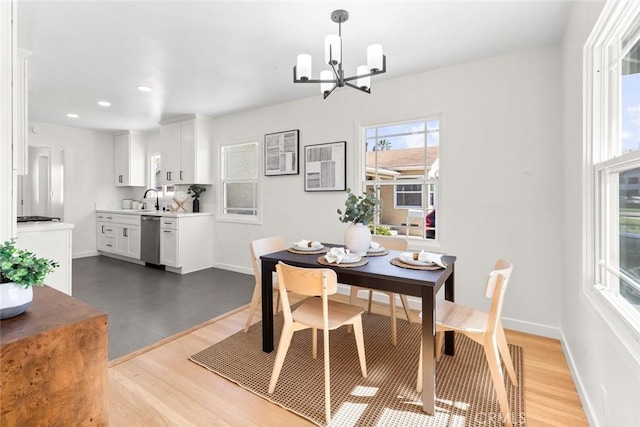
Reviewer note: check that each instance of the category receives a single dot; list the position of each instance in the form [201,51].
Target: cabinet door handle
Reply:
[125,232]
[181,178]
[102,229]
[167,231]
[109,245]
[109,217]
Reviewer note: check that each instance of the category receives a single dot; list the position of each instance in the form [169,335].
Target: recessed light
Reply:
[104,103]
[73,116]
[144,89]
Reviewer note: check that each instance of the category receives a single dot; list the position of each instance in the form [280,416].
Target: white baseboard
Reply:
[577,380]
[232,267]
[85,254]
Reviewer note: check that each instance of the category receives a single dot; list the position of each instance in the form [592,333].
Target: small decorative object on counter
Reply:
[19,271]
[359,211]
[194,191]
[177,205]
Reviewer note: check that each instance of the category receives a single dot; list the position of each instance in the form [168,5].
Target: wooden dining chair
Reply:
[258,248]
[484,328]
[315,313]
[398,245]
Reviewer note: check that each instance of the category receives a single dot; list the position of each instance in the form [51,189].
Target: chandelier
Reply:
[331,79]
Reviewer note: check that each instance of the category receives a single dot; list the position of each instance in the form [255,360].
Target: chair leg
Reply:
[327,383]
[283,347]
[353,298]
[405,305]
[314,343]
[370,298]
[439,345]
[392,312]
[276,295]
[493,359]
[419,381]
[357,330]
[506,356]
[255,300]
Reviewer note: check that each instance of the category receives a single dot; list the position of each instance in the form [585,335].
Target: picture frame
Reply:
[325,167]
[281,153]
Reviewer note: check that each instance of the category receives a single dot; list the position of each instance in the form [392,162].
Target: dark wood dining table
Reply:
[378,274]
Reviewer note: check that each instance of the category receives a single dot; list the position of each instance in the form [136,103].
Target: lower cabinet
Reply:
[186,243]
[118,234]
[169,247]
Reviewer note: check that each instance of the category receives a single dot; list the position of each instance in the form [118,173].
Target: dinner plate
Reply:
[410,260]
[350,259]
[307,248]
[380,249]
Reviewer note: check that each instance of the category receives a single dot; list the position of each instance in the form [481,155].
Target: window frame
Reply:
[360,171]
[233,217]
[602,148]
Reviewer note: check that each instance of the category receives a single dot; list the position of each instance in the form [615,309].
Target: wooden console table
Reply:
[53,363]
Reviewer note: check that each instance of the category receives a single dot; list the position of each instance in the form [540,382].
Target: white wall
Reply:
[605,371]
[88,163]
[501,173]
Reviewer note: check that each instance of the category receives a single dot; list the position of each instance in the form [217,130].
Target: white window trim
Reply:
[235,218]
[624,324]
[436,245]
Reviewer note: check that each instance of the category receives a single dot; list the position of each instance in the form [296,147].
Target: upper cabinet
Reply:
[186,152]
[20,118]
[129,160]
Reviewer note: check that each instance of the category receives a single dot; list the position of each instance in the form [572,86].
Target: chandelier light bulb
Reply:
[332,49]
[374,57]
[326,87]
[363,82]
[303,66]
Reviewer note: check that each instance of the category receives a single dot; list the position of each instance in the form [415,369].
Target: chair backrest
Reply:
[262,247]
[497,283]
[393,243]
[305,281]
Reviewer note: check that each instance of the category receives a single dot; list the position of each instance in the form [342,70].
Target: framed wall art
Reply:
[281,153]
[325,167]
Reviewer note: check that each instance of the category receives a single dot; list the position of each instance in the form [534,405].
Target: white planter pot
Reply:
[14,299]
[357,238]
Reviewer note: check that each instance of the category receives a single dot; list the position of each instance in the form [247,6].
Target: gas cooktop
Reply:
[36,218]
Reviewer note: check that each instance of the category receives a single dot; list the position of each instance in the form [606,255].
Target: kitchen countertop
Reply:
[44,226]
[152,213]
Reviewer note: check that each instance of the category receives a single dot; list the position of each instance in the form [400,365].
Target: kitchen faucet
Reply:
[157,198]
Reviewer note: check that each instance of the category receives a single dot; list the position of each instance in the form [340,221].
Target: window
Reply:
[401,165]
[613,114]
[239,179]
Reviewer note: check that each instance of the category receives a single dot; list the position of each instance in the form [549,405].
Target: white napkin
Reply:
[374,245]
[306,243]
[336,255]
[426,257]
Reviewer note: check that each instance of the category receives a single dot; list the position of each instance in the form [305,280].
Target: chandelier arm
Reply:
[373,73]
[326,94]
[336,72]
[356,87]
[296,80]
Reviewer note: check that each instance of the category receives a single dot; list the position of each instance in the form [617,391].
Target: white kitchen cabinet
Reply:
[21,110]
[53,241]
[128,240]
[186,155]
[129,160]
[186,243]
[118,234]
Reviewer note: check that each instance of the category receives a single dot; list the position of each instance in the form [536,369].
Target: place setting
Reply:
[376,249]
[307,247]
[343,258]
[419,261]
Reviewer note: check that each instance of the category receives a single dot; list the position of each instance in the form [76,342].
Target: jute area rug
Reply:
[387,397]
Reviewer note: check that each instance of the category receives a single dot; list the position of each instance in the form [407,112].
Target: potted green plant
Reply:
[19,271]
[194,191]
[359,211]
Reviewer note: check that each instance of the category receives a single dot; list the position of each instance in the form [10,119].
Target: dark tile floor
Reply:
[146,305]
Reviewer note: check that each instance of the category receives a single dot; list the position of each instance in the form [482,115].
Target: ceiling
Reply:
[220,57]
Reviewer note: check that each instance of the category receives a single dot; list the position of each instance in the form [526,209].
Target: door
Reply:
[170,160]
[188,151]
[169,247]
[121,147]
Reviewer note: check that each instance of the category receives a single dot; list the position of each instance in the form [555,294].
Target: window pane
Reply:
[240,195]
[629,244]
[240,162]
[630,88]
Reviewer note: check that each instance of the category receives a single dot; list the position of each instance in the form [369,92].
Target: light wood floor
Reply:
[159,386]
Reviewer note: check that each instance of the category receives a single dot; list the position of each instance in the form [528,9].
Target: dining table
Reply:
[379,274]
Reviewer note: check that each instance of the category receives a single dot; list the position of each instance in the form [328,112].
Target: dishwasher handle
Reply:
[150,218]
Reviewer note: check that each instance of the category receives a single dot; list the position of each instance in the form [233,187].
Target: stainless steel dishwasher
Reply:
[150,239]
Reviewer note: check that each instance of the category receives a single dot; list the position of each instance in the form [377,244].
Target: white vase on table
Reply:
[357,238]
[14,299]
